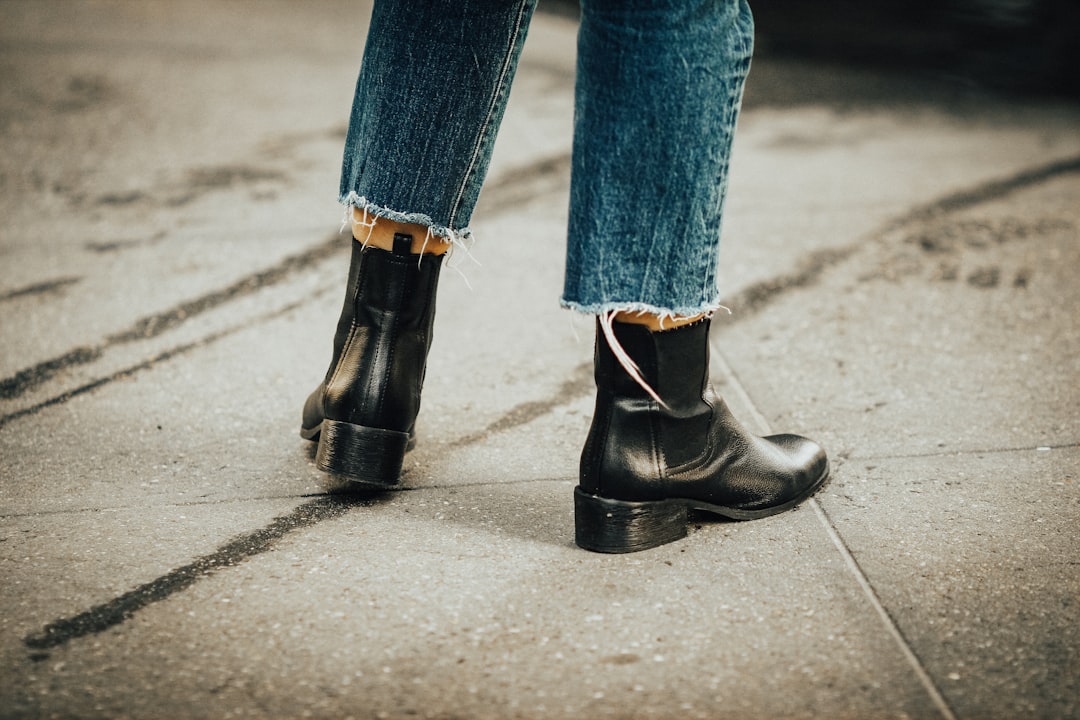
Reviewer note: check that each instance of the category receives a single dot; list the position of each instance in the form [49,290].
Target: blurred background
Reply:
[1018,46]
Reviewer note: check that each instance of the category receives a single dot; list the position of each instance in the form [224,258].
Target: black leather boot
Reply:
[645,466]
[364,412]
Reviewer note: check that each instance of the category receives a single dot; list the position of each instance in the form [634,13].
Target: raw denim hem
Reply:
[461,237]
[664,313]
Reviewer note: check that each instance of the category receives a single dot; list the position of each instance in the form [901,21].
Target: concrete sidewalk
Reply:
[900,261]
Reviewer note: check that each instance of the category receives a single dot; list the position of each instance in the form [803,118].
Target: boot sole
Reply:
[370,456]
[624,526]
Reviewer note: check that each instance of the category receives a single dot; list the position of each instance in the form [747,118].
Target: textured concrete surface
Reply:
[899,260]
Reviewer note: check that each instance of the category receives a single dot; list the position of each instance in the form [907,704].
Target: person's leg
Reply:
[429,99]
[659,88]
[428,103]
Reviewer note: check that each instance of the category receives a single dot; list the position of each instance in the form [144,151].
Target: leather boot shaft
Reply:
[363,414]
[382,340]
[634,438]
[378,374]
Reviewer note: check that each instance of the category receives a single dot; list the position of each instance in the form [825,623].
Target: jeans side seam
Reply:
[481,137]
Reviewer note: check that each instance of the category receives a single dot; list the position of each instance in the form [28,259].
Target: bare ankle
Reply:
[379,232]
[656,322]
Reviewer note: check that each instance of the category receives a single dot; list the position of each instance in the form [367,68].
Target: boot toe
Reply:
[808,461]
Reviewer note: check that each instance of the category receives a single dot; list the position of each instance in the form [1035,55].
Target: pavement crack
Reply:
[153,325]
[123,607]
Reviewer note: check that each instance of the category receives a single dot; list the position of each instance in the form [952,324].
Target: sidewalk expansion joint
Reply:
[852,564]
[969,451]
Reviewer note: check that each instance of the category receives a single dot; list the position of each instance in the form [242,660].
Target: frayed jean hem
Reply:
[461,237]
[641,308]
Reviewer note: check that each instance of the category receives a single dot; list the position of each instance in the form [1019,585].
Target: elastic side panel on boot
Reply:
[682,374]
[623,454]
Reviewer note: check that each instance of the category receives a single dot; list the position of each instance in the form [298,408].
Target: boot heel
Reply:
[363,454]
[620,526]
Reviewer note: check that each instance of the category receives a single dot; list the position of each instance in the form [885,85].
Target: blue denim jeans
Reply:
[659,85]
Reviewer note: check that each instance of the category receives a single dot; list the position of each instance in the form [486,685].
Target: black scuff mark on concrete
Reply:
[14,386]
[196,183]
[241,548]
[942,236]
[985,277]
[42,288]
[153,325]
[746,303]
[115,199]
[110,246]
[549,170]
[991,190]
[146,364]
[290,145]
[224,177]
[203,181]
[519,186]
[83,92]
[758,295]
[577,385]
